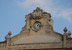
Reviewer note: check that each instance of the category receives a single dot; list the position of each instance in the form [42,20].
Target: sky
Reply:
[13,12]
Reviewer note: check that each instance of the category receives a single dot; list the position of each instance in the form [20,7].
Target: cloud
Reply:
[28,3]
[67,14]
[49,6]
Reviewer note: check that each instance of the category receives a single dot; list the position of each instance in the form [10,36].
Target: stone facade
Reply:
[38,34]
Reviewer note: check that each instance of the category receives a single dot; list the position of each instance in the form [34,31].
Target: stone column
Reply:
[8,40]
[64,37]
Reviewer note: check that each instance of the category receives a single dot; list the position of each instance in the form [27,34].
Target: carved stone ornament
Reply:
[37,14]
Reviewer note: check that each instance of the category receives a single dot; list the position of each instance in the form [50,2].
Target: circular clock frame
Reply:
[37,25]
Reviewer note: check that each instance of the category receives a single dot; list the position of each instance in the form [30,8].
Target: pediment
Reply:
[38,29]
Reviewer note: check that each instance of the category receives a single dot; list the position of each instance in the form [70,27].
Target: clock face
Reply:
[37,25]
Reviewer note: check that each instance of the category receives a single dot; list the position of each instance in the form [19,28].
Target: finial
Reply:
[65,29]
[38,9]
[9,33]
[69,33]
[6,36]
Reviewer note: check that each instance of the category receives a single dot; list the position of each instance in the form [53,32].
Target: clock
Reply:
[37,25]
